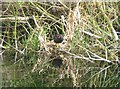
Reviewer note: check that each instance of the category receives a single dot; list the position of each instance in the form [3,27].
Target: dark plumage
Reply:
[57,62]
[58,38]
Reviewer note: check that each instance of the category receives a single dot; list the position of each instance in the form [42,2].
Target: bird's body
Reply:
[57,62]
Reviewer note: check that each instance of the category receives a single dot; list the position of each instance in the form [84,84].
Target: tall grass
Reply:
[90,50]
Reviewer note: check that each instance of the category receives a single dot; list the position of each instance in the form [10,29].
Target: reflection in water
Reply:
[13,68]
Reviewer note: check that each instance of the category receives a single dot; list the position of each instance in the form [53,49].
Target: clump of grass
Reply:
[89,50]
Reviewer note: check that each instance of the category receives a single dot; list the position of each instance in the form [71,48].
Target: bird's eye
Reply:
[58,36]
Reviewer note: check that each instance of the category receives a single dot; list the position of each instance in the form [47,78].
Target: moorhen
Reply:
[57,62]
[58,38]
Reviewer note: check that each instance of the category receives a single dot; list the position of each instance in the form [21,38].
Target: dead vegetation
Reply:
[90,47]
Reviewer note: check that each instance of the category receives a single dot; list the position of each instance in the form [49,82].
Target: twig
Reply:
[76,56]
[15,18]
[93,35]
